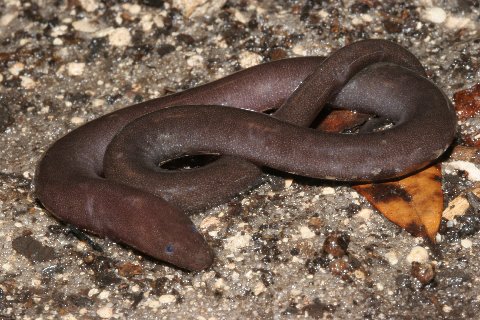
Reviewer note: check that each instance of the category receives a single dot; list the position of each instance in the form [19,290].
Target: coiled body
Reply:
[104,176]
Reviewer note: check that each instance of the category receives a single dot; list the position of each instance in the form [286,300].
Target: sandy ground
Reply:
[64,63]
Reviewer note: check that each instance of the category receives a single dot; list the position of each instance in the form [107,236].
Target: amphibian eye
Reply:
[169,249]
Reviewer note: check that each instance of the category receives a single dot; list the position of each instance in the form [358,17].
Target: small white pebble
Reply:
[7,18]
[237,242]
[259,288]
[391,258]
[77,120]
[153,304]
[27,82]
[435,15]
[89,5]
[288,183]
[249,59]
[36,282]
[167,298]
[59,30]
[299,50]
[16,68]
[98,102]
[104,295]
[120,37]
[135,288]
[195,61]
[209,221]
[146,22]
[365,214]
[239,16]
[220,284]
[132,8]
[360,275]
[328,191]
[446,309]
[84,25]
[457,23]
[75,68]
[105,312]
[418,254]
[57,42]
[306,233]
[92,292]
[466,243]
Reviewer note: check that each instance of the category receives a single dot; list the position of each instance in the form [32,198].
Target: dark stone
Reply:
[165,49]
[32,249]
[336,244]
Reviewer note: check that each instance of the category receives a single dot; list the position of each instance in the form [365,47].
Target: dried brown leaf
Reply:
[414,203]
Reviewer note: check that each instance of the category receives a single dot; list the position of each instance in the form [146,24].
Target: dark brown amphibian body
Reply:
[123,194]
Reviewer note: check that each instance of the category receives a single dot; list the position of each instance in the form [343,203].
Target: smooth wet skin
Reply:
[123,194]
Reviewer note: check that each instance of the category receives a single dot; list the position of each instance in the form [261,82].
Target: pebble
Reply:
[359,274]
[92,292]
[237,242]
[457,23]
[153,304]
[7,18]
[456,207]
[299,50]
[259,288]
[195,61]
[435,15]
[209,222]
[239,16]
[146,22]
[288,183]
[57,42]
[365,214]
[423,272]
[133,9]
[198,8]
[59,30]
[105,312]
[16,68]
[249,59]
[328,191]
[391,258]
[120,37]
[77,120]
[466,243]
[167,298]
[75,68]
[418,254]
[336,244]
[98,102]
[89,5]
[104,295]
[84,25]
[28,83]
[306,233]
